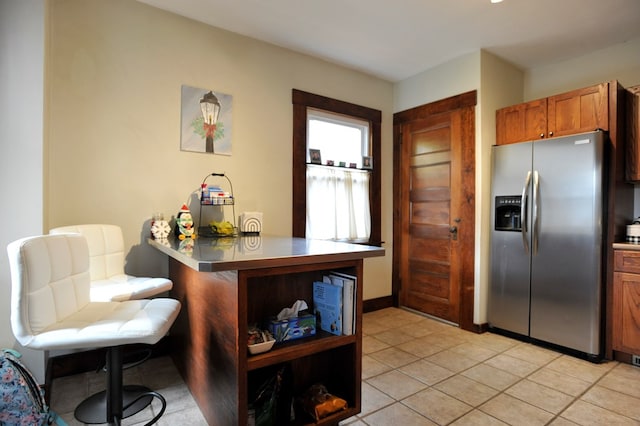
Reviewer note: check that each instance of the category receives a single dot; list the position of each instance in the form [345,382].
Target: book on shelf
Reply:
[327,305]
[348,283]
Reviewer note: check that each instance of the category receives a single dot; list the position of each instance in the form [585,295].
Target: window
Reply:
[338,137]
[333,202]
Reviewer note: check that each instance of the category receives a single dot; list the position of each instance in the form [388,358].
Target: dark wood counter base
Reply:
[209,338]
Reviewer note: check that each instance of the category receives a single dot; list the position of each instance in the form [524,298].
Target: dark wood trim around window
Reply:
[303,100]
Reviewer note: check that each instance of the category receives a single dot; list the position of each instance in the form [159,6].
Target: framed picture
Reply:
[314,155]
[367,163]
[205,121]
[352,165]
[342,164]
[329,162]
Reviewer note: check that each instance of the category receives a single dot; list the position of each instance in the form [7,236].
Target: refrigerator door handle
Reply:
[536,211]
[523,212]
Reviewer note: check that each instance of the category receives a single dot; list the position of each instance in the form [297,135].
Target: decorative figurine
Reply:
[160,229]
[184,224]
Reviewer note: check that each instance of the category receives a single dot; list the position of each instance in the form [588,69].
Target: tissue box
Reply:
[293,328]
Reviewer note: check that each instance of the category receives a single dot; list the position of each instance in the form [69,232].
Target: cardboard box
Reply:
[293,328]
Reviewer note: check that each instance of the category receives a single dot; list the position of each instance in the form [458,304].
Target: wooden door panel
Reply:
[432,158]
[431,290]
[432,212]
[430,194]
[427,233]
[430,174]
[432,141]
[432,285]
[435,248]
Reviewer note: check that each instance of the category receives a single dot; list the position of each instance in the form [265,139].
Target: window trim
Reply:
[303,100]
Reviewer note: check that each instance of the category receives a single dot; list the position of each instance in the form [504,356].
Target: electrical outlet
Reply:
[635,360]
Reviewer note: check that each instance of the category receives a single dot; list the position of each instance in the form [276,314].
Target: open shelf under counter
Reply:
[287,351]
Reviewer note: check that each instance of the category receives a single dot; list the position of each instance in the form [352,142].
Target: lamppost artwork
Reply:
[210,107]
[206,120]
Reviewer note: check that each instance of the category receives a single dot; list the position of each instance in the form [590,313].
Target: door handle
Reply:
[523,212]
[454,232]
[536,212]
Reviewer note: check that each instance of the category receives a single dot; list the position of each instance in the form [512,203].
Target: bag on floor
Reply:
[21,398]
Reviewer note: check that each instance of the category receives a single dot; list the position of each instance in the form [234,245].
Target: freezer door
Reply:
[509,280]
[567,257]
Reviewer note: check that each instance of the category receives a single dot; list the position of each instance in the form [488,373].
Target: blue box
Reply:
[293,328]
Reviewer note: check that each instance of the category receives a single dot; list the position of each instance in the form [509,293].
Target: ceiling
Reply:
[394,40]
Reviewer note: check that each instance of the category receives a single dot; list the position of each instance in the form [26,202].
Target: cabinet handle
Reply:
[550,133]
[541,135]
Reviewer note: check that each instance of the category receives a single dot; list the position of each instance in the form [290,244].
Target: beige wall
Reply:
[116,75]
[456,76]
[500,85]
[22,84]
[620,62]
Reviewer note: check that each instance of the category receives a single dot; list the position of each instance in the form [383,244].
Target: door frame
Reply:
[465,102]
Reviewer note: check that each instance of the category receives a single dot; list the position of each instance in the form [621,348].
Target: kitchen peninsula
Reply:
[226,285]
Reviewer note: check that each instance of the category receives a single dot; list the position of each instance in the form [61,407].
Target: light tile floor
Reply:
[418,371]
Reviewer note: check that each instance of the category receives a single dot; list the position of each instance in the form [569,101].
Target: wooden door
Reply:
[522,122]
[578,111]
[434,216]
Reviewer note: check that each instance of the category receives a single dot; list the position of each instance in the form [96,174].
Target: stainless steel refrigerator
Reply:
[547,241]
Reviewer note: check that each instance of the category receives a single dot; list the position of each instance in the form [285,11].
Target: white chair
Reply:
[109,282]
[51,310]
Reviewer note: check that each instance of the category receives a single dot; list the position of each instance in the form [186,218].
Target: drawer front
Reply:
[627,261]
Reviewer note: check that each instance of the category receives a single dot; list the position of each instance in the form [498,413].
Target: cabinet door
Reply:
[578,111]
[633,133]
[522,122]
[626,312]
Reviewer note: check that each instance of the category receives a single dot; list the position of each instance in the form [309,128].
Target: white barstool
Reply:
[51,309]
[109,282]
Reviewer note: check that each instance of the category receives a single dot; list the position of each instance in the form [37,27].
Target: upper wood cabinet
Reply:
[633,133]
[578,111]
[522,122]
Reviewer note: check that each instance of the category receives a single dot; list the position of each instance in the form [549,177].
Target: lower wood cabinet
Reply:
[626,302]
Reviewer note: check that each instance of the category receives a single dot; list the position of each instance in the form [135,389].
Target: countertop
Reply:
[257,251]
[626,246]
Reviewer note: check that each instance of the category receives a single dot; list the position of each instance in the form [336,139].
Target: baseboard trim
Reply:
[371,305]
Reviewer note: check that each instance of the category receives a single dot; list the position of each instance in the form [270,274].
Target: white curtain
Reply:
[337,203]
